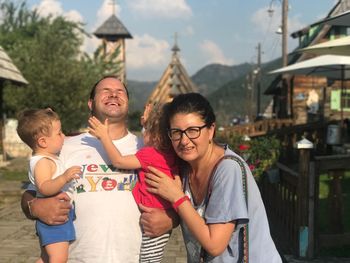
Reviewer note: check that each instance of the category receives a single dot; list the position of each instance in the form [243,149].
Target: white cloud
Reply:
[74,16]
[147,52]
[54,8]
[49,7]
[168,9]
[90,44]
[213,53]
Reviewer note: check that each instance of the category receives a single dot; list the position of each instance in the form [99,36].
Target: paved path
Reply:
[18,243]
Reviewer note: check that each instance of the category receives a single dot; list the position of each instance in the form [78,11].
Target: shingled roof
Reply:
[174,81]
[8,71]
[112,29]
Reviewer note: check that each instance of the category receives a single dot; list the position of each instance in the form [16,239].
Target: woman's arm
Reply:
[44,169]
[100,130]
[214,238]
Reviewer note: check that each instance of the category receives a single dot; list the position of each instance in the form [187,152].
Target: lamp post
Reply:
[284,29]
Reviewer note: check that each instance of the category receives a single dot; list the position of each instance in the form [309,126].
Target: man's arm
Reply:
[27,196]
[156,222]
[51,210]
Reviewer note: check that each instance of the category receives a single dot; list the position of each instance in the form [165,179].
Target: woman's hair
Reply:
[156,127]
[191,103]
[33,123]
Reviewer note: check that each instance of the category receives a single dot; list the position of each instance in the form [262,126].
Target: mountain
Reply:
[231,99]
[224,86]
[213,76]
[139,92]
[208,79]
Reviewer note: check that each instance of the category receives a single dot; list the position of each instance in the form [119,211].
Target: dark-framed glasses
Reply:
[192,132]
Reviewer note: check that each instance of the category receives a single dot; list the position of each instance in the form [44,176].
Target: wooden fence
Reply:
[291,191]
[291,198]
[258,128]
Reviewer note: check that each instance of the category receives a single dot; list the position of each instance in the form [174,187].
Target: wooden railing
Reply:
[315,132]
[280,199]
[258,128]
[292,204]
[334,166]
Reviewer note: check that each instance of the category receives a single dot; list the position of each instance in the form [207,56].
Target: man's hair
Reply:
[93,90]
[33,123]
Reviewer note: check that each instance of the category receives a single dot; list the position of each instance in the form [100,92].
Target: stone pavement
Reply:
[19,244]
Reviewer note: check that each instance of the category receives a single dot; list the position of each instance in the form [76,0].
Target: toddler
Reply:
[41,130]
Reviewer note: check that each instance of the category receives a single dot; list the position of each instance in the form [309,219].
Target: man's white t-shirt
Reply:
[107,217]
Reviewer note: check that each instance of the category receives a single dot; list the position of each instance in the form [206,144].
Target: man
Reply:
[107,218]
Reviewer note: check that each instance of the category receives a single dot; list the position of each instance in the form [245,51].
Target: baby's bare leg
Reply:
[57,252]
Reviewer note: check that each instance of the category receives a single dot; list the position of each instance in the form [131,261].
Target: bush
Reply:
[260,153]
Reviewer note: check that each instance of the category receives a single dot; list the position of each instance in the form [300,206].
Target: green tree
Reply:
[47,50]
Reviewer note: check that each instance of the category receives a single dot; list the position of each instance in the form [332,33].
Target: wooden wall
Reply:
[301,88]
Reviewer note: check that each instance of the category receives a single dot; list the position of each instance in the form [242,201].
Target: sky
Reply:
[209,31]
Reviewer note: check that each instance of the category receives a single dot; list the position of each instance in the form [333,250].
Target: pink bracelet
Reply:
[179,202]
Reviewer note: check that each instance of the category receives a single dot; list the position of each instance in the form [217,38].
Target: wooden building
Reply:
[8,72]
[174,80]
[113,34]
[311,98]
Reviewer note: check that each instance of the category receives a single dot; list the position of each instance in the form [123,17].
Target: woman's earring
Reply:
[209,141]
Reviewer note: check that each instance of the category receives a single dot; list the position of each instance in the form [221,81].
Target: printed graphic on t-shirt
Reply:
[103,177]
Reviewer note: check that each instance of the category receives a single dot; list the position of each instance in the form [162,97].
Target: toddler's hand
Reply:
[145,115]
[96,128]
[72,173]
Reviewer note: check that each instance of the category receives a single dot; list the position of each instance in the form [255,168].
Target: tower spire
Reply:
[175,48]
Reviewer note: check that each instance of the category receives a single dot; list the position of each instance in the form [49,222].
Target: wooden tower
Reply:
[113,34]
[174,80]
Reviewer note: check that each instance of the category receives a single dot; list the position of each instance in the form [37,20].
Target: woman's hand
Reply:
[161,184]
[97,129]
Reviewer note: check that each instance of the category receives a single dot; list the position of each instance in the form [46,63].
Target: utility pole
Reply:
[258,80]
[284,89]
[284,32]
[250,95]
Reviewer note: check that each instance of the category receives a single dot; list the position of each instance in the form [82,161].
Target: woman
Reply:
[211,203]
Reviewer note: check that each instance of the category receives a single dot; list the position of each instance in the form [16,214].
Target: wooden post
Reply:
[335,201]
[312,200]
[303,187]
[304,147]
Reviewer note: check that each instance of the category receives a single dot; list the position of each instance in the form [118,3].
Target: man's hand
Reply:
[51,210]
[156,222]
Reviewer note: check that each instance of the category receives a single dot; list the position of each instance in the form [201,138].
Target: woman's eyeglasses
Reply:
[191,132]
